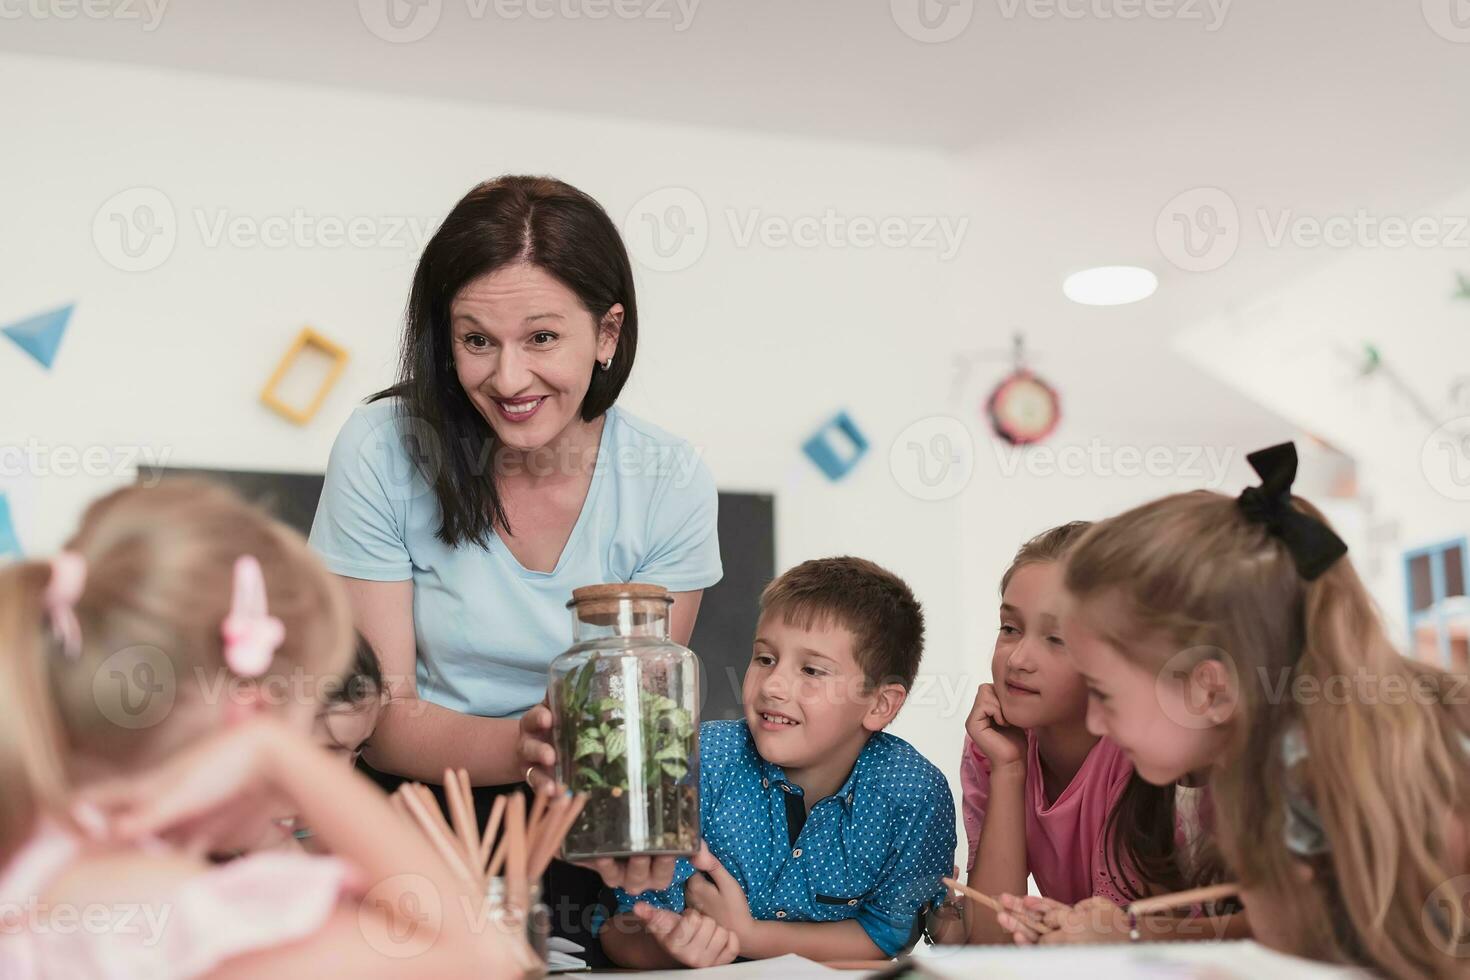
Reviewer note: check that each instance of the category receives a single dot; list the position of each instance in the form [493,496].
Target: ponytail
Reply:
[1387,771]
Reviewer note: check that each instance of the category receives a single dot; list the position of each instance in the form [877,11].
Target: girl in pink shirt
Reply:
[1039,789]
[158,682]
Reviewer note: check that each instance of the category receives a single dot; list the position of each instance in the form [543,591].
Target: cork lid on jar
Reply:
[593,602]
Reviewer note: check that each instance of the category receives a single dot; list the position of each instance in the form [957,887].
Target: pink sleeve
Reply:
[975,787]
[255,903]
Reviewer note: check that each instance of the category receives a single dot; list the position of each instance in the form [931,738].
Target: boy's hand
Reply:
[692,938]
[634,875]
[1002,744]
[723,900]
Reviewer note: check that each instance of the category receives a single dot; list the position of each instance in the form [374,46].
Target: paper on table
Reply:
[791,967]
[561,956]
[1231,960]
[563,963]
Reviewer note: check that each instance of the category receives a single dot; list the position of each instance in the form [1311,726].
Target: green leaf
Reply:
[590,777]
[676,768]
[657,704]
[582,685]
[588,743]
[673,750]
[617,744]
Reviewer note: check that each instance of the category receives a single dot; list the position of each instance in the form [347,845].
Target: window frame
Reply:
[1434,615]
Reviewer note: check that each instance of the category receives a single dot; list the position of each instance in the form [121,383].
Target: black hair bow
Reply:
[1312,544]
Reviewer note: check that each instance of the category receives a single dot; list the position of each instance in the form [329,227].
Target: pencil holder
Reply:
[535,921]
[626,703]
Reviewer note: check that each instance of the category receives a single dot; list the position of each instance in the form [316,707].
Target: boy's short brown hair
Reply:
[876,606]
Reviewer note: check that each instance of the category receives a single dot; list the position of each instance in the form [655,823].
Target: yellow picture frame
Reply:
[306,338]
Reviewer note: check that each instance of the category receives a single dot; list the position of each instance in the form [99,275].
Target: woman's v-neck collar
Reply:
[598,466]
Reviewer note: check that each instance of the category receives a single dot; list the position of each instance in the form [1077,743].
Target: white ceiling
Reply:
[1076,130]
[1272,73]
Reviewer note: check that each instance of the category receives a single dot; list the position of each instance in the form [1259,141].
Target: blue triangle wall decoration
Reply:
[40,335]
[9,544]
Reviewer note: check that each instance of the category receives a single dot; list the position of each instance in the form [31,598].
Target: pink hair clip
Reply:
[251,634]
[63,592]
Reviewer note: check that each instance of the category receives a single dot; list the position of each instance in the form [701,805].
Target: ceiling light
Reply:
[1110,285]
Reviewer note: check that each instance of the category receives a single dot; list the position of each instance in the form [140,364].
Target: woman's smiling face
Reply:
[524,351]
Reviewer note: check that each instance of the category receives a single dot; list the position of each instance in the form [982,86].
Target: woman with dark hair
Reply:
[463,505]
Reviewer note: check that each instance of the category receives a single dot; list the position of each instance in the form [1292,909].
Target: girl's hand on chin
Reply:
[1003,744]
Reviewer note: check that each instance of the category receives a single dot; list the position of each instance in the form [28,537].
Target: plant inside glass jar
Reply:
[635,771]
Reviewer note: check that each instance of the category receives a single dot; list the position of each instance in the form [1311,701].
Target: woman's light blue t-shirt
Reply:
[486,627]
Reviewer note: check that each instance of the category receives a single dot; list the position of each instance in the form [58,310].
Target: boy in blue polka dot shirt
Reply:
[824,835]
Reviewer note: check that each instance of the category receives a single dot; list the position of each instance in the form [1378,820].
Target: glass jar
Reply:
[535,921]
[626,703]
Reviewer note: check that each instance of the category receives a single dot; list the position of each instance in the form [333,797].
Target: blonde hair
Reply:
[1388,776]
[160,564]
[1048,546]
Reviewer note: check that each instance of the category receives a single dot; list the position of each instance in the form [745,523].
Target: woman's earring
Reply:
[607,364]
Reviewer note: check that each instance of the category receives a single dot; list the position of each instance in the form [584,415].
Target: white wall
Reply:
[1298,351]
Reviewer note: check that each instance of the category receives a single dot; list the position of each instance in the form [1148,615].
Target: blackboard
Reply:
[727,614]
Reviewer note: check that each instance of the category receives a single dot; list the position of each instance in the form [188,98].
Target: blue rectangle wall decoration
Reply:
[836,447]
